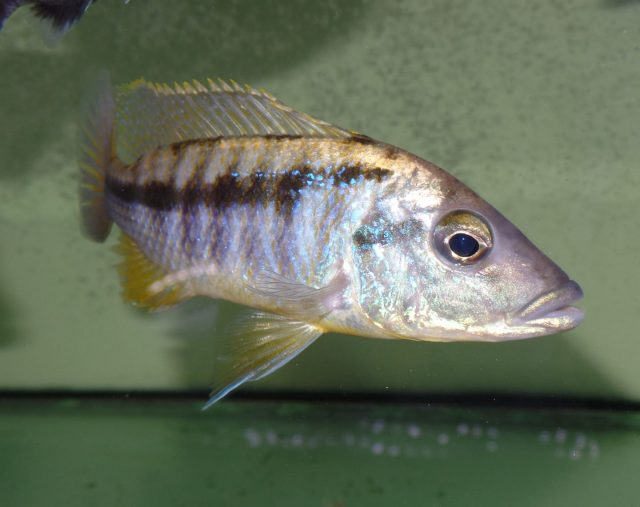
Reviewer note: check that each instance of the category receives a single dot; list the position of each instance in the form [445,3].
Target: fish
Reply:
[62,14]
[223,191]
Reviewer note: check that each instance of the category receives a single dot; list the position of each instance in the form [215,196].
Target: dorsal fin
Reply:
[152,115]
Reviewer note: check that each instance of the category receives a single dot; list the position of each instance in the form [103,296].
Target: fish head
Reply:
[440,264]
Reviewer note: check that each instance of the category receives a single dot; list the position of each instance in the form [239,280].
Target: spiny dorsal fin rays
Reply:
[152,115]
[265,343]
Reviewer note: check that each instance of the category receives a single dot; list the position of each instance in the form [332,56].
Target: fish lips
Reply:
[552,310]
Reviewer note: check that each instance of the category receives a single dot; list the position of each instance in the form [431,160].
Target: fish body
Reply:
[243,207]
[230,194]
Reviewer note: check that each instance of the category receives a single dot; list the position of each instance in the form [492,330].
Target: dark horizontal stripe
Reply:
[179,146]
[258,188]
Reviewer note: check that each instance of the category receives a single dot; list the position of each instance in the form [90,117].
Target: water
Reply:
[532,104]
[101,452]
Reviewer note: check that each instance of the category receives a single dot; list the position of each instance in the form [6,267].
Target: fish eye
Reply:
[462,237]
[463,245]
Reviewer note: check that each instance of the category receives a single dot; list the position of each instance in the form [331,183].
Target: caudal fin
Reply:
[98,153]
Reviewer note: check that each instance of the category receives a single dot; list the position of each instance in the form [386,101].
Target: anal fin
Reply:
[143,282]
[262,345]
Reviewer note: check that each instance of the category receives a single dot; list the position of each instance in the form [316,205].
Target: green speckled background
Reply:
[128,453]
[535,105]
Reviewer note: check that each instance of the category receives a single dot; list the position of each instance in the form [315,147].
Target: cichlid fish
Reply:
[223,191]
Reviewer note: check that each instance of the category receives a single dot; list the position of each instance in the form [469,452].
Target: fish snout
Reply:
[552,309]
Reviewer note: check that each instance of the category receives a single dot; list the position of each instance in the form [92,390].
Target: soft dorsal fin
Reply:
[152,115]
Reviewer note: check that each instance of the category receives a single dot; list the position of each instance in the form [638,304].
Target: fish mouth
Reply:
[552,310]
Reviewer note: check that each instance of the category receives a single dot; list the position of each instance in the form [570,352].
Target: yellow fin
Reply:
[152,115]
[139,275]
[262,345]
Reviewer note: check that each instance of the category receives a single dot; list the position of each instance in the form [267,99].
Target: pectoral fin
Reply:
[302,301]
[262,345]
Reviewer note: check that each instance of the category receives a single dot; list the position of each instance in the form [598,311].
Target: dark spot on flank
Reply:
[256,189]
[351,173]
[177,148]
[226,190]
[391,152]
[377,174]
[123,191]
[280,137]
[288,186]
[157,195]
[362,139]
[380,231]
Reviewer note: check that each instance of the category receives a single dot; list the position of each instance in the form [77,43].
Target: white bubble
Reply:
[395,428]
[413,430]
[575,454]
[393,450]
[349,439]
[377,448]
[492,446]
[544,437]
[581,441]
[462,429]
[252,437]
[271,437]
[377,426]
[410,452]
[330,441]
[297,440]
[561,435]
[443,439]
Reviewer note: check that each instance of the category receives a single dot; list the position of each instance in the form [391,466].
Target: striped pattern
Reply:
[260,186]
[280,203]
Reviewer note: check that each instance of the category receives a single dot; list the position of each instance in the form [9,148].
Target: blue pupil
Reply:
[463,245]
